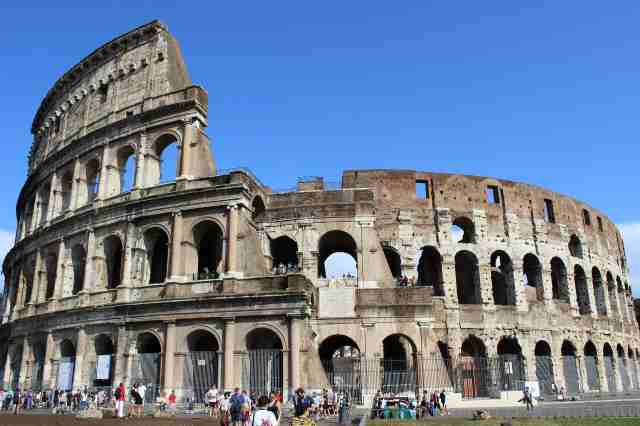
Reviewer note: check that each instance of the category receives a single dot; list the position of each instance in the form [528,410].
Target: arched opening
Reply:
[103,368]
[344,264]
[570,368]
[262,367]
[622,367]
[544,367]
[92,174]
[208,239]
[609,367]
[591,366]
[622,303]
[66,365]
[28,273]
[146,365]
[201,364]
[502,282]
[66,186]
[157,246]
[575,246]
[532,272]
[398,364]
[257,209]
[126,164]
[463,230]
[633,369]
[340,357]
[51,266]
[113,258]
[511,370]
[474,368]
[613,296]
[559,284]
[16,366]
[44,194]
[582,292]
[467,278]
[37,372]
[394,262]
[78,262]
[598,290]
[284,252]
[168,160]
[430,270]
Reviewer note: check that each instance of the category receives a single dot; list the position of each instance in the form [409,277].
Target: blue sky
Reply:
[545,93]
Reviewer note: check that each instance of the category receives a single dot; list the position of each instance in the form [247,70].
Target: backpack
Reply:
[117,394]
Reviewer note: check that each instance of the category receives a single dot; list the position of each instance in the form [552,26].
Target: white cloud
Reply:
[6,242]
[631,236]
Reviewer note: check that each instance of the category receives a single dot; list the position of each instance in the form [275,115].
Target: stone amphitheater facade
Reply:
[214,278]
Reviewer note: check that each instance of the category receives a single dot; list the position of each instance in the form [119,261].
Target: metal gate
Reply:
[262,371]
[544,374]
[622,363]
[200,373]
[609,372]
[345,375]
[145,369]
[593,377]
[633,373]
[435,372]
[398,376]
[474,377]
[37,372]
[571,374]
[511,372]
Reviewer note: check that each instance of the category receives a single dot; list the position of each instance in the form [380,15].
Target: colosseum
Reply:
[472,284]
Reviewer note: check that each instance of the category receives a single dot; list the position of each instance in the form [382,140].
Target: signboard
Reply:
[103,367]
[65,374]
[202,363]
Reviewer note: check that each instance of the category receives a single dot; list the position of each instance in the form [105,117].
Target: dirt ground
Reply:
[50,420]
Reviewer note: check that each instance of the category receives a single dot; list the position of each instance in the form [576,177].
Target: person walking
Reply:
[235,407]
[263,416]
[526,399]
[443,402]
[344,415]
[120,396]
[136,398]
[212,400]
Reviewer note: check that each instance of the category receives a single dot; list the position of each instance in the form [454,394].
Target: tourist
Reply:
[344,404]
[425,405]
[443,402]
[17,401]
[172,401]
[300,403]
[526,399]
[212,399]
[235,407]
[274,406]
[263,416]
[142,390]
[120,396]
[136,398]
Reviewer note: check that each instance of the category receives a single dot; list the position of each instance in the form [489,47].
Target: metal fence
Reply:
[200,373]
[571,375]
[544,374]
[262,371]
[593,376]
[145,369]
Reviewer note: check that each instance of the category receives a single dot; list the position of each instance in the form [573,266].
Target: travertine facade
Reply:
[188,269]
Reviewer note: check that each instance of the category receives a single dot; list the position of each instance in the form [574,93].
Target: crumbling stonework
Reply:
[219,264]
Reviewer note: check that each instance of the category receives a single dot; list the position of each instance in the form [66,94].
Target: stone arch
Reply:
[51,267]
[202,340]
[463,228]
[263,338]
[591,365]
[265,348]
[148,342]
[542,348]
[575,246]
[609,366]
[473,346]
[559,282]
[430,270]
[258,209]
[166,150]
[92,181]
[113,255]
[66,187]
[621,298]
[582,292]
[598,290]
[570,367]
[613,295]
[208,240]
[66,365]
[147,362]
[502,282]
[334,242]
[201,367]
[340,358]
[44,193]
[156,242]
[78,263]
[126,167]
[511,369]
[394,262]
[284,254]
[532,273]
[338,346]
[104,347]
[623,367]
[399,362]
[467,278]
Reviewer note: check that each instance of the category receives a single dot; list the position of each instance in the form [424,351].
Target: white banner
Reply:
[65,374]
[103,367]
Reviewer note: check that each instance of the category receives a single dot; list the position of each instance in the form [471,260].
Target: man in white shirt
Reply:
[212,399]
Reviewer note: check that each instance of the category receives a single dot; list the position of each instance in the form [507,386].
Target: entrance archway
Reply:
[609,367]
[66,365]
[200,364]
[559,285]
[113,255]
[147,364]
[103,367]
[262,368]
[582,292]
[502,282]
[398,364]
[591,366]
[430,270]
[622,367]
[156,245]
[340,357]
[208,237]
[474,369]
[37,371]
[570,367]
[284,253]
[467,278]
[544,367]
[511,369]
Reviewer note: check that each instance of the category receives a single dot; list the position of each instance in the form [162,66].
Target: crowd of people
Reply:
[394,406]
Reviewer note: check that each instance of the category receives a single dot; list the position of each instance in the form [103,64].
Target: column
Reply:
[141,159]
[47,381]
[185,159]
[52,196]
[120,369]
[62,257]
[602,376]
[592,297]
[103,190]
[75,184]
[232,239]
[176,248]
[169,355]
[81,346]
[6,379]
[25,370]
[37,278]
[295,336]
[88,266]
[129,245]
[229,346]
[43,272]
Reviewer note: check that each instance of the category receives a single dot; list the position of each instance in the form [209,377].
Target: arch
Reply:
[92,180]
[582,292]
[467,278]
[263,339]
[51,266]
[146,364]
[591,366]
[575,246]
[570,367]
[78,263]
[201,367]
[463,230]
[201,340]
[335,242]
[542,348]
[208,239]
[28,273]
[598,290]
[113,254]
[613,295]
[609,366]
[394,262]
[156,243]
[338,346]
[103,344]
[104,349]
[473,347]
[532,273]
[398,364]
[623,367]
[502,282]
[165,167]
[511,369]
[430,270]
[509,345]
[44,194]
[568,348]
[67,349]
[37,372]
[258,209]
[66,187]
[265,360]
[284,253]
[559,284]
[148,343]
[126,164]
[633,369]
